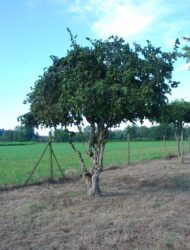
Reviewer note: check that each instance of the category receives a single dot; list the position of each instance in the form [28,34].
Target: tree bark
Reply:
[179,139]
[96,145]
[181,149]
[94,190]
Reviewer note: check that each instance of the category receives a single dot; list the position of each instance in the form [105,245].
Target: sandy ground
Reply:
[145,206]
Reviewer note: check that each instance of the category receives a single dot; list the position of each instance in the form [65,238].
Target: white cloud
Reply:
[124,18]
[183,67]
[124,21]
[157,20]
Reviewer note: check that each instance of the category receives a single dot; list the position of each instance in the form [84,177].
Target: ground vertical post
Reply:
[189,142]
[50,156]
[129,150]
[35,167]
[164,147]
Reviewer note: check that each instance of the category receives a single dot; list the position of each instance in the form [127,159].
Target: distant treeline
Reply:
[20,134]
[137,133]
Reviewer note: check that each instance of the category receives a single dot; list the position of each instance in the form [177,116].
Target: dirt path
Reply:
[146,206]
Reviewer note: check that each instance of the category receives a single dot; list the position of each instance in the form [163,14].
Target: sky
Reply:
[32,30]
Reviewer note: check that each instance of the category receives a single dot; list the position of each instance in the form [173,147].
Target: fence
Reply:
[28,163]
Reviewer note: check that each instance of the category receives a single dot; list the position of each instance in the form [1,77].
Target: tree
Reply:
[157,132]
[61,136]
[22,133]
[177,113]
[8,135]
[132,131]
[2,131]
[186,50]
[106,83]
[143,132]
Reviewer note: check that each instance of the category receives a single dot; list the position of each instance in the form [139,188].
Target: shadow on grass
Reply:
[61,180]
[115,194]
[17,144]
[179,183]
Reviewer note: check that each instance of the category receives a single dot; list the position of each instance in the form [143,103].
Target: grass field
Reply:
[18,159]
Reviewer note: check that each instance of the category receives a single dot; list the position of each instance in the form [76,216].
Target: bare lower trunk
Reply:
[181,159]
[98,136]
[94,189]
[181,153]
[180,149]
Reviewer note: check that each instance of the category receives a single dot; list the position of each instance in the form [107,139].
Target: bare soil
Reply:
[144,206]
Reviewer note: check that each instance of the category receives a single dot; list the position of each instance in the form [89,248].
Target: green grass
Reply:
[18,159]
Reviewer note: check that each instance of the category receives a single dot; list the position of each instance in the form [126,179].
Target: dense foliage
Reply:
[106,83]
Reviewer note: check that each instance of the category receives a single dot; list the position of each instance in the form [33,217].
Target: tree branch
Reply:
[83,166]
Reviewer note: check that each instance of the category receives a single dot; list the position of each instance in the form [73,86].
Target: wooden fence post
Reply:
[129,150]
[35,167]
[164,147]
[50,157]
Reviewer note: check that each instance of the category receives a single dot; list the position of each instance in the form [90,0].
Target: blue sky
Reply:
[32,30]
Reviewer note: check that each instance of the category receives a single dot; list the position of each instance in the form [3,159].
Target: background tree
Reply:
[157,132]
[177,113]
[61,136]
[22,133]
[105,84]
[132,131]
[186,50]
[2,132]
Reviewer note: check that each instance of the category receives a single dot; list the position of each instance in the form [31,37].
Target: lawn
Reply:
[18,159]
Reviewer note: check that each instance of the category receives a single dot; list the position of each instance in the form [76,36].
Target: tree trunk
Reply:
[94,190]
[181,149]
[96,147]
[179,139]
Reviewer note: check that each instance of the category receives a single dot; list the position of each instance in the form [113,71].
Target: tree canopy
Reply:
[186,49]
[177,113]
[106,83]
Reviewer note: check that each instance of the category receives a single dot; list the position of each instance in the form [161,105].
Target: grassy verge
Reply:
[144,207]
